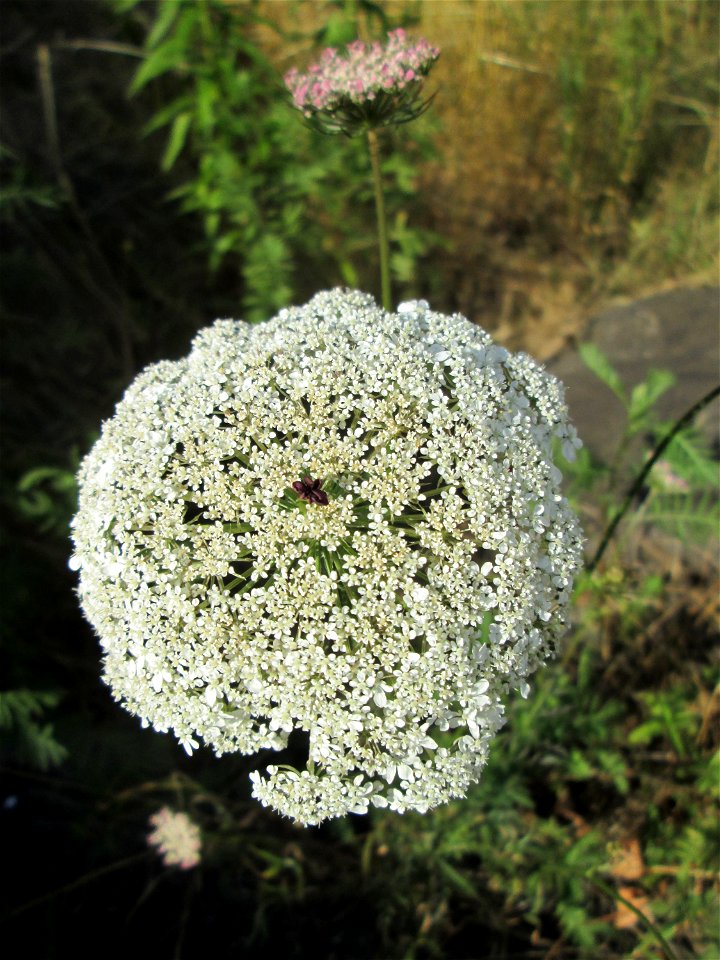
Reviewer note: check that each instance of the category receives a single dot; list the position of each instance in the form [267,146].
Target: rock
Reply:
[678,330]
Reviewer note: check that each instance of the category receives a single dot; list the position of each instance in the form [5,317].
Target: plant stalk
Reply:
[613,894]
[638,482]
[383,243]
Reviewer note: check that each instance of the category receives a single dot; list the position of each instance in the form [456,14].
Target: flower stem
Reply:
[612,894]
[374,146]
[638,482]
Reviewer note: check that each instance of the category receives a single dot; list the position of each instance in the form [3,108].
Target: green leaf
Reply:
[690,455]
[125,6]
[598,363]
[19,710]
[167,12]
[644,733]
[45,749]
[167,114]
[646,394]
[19,705]
[710,775]
[176,140]
[48,497]
[574,922]
[614,765]
[61,479]
[207,96]
[349,273]
[212,223]
[167,57]
[339,30]
[688,517]
[579,767]
[457,880]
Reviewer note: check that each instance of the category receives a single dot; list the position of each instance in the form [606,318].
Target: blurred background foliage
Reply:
[153,177]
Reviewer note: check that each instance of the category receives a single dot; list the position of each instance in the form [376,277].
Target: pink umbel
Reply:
[176,838]
[363,74]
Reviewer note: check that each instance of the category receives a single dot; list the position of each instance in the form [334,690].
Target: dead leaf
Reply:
[627,861]
[625,918]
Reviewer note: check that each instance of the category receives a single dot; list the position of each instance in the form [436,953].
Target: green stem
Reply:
[432,493]
[613,894]
[638,482]
[374,146]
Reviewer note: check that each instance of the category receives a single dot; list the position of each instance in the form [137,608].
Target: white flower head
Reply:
[343,521]
[176,838]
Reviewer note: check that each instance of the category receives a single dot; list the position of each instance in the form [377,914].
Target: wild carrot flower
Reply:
[176,838]
[371,85]
[345,522]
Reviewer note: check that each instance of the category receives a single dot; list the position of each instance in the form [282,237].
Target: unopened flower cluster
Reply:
[345,522]
[386,75]
[176,838]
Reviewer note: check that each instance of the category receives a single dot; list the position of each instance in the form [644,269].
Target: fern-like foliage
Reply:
[25,736]
[681,496]
[683,499]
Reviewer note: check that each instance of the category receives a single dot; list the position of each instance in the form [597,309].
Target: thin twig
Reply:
[47,96]
[189,890]
[80,882]
[101,46]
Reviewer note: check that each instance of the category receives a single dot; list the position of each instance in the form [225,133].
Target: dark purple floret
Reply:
[310,490]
